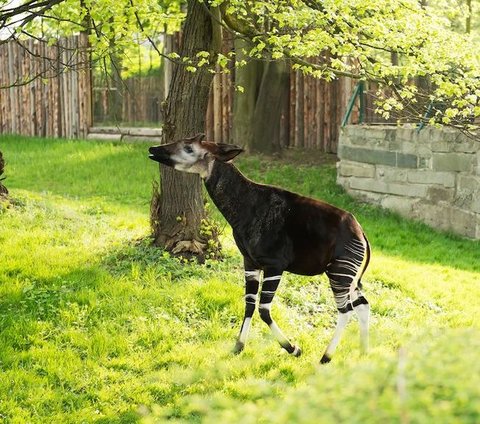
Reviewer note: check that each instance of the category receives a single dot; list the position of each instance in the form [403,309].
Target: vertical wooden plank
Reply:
[209,122]
[31,90]
[299,110]
[224,113]
[328,115]
[284,132]
[3,91]
[11,74]
[217,108]
[333,106]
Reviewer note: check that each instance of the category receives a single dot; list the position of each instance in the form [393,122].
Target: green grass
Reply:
[97,326]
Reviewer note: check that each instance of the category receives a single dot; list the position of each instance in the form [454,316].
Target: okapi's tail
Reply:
[368,254]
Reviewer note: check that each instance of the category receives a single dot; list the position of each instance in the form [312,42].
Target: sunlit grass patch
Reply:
[97,325]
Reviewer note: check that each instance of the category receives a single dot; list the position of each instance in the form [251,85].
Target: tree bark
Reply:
[177,208]
[3,189]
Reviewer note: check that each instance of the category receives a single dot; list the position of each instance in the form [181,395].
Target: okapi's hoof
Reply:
[296,352]
[239,346]
[325,359]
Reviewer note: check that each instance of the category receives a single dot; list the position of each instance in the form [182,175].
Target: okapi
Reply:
[276,231]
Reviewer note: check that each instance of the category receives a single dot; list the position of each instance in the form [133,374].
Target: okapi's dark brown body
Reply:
[275,228]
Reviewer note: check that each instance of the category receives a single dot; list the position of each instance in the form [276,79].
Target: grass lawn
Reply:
[96,326]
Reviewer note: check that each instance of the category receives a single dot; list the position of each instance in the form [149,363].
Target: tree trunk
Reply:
[468,21]
[3,189]
[248,77]
[258,109]
[178,209]
[268,108]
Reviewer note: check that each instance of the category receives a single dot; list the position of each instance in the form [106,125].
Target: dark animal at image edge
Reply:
[277,231]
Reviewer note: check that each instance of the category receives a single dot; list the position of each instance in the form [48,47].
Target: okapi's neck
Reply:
[231,192]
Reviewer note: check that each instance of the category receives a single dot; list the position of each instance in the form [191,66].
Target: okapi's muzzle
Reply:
[160,154]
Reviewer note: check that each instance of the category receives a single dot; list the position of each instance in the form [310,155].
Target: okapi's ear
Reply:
[199,137]
[224,152]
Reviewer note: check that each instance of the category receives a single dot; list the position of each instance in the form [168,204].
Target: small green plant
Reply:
[210,232]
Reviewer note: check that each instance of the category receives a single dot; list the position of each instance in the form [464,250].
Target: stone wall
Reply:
[432,175]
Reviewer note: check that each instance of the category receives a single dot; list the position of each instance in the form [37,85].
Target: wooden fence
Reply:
[140,97]
[45,90]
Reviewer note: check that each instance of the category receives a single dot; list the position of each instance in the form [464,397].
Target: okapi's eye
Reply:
[188,149]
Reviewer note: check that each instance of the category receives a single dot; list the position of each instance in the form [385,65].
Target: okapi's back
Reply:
[313,227]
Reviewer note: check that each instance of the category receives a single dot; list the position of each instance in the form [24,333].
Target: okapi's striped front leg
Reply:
[252,278]
[270,284]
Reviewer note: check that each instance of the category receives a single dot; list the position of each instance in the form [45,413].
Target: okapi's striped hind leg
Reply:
[270,284]
[252,278]
[345,273]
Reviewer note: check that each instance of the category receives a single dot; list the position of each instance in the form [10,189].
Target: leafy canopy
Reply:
[360,38]
[392,42]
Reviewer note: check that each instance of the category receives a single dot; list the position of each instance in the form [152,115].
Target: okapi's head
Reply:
[193,154]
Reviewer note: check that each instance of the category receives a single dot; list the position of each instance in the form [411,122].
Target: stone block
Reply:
[424,135]
[104,130]
[424,176]
[463,222]
[144,132]
[434,215]
[137,138]
[104,136]
[406,134]
[390,134]
[399,204]
[366,196]
[476,205]
[371,156]
[466,146]
[440,194]
[391,175]
[373,133]
[437,135]
[441,146]
[459,162]
[469,183]
[409,190]
[406,147]
[446,217]
[424,162]
[349,169]
[405,160]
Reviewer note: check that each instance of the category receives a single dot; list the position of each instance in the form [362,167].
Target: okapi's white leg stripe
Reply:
[251,298]
[296,351]
[341,324]
[363,313]
[275,277]
[255,274]
[245,330]
[265,306]
[278,334]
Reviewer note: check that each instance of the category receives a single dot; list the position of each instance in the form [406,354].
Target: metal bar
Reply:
[356,92]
